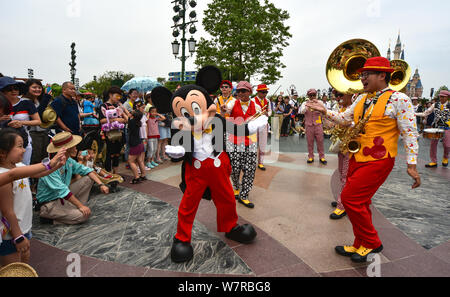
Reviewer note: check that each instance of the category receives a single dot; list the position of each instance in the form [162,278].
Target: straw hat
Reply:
[18,270]
[49,117]
[63,140]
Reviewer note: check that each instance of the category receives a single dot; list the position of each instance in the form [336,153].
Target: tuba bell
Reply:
[342,74]
[343,64]
[401,75]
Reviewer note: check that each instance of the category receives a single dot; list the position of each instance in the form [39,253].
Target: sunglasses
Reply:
[225,87]
[11,88]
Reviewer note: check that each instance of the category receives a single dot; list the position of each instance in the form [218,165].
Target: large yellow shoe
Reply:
[445,162]
[362,253]
[338,214]
[345,250]
[431,165]
[246,202]
[236,194]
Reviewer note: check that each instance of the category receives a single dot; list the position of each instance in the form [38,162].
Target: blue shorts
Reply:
[7,247]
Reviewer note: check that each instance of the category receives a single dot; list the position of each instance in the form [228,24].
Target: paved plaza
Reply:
[130,232]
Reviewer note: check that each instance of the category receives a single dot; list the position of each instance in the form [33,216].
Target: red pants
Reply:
[315,133]
[218,181]
[363,181]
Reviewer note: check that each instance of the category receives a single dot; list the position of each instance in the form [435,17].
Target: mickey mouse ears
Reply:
[209,77]
[162,99]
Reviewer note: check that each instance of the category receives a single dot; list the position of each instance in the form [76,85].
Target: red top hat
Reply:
[262,87]
[380,64]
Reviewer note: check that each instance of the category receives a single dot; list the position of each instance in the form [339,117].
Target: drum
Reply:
[433,133]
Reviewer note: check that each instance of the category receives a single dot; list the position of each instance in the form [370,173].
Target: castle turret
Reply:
[398,48]
[389,52]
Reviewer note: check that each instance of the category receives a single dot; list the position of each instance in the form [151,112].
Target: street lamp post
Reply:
[72,64]
[180,9]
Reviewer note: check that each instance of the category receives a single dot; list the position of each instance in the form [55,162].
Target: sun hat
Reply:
[49,117]
[18,270]
[7,81]
[63,140]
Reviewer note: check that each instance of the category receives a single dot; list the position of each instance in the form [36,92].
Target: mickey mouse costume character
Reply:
[206,166]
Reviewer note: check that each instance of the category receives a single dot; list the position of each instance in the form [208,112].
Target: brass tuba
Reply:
[342,74]
[343,64]
[400,77]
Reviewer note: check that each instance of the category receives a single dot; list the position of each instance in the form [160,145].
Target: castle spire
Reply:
[398,48]
[403,53]
[389,51]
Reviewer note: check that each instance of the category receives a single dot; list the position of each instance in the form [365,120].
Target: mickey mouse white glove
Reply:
[175,152]
[260,122]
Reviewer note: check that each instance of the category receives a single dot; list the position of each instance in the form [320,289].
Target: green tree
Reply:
[56,90]
[248,39]
[107,80]
[172,85]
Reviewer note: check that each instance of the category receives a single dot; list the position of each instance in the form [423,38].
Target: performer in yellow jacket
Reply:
[391,114]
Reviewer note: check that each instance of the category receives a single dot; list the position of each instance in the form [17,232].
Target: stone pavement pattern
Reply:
[130,232]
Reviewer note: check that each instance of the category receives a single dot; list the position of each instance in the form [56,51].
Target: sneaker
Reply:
[431,165]
[445,162]
[362,253]
[246,202]
[338,214]
[345,250]
[261,166]
[150,165]
[323,161]
[154,164]
[310,160]
[147,168]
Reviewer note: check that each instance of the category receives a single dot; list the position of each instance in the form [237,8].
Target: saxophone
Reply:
[349,137]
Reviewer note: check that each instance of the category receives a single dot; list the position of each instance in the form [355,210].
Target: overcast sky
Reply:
[134,36]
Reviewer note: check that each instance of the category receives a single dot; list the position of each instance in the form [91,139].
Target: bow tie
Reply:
[371,95]
[198,136]
[245,103]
